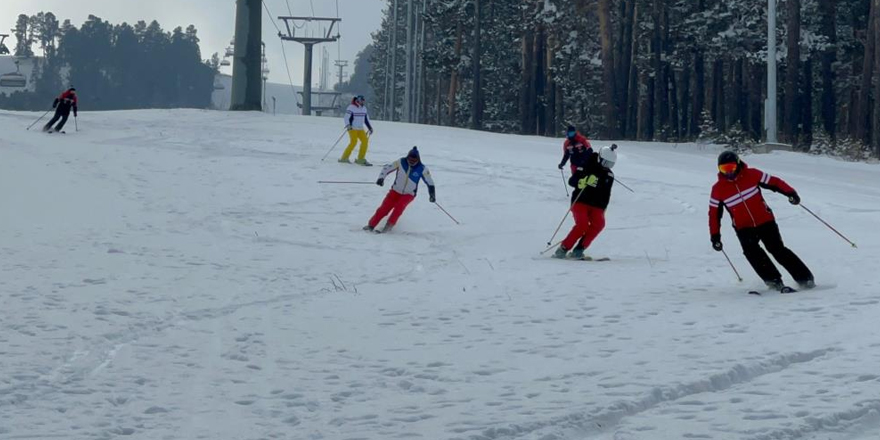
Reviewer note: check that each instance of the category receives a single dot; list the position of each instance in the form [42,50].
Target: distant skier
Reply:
[589,200]
[410,170]
[355,120]
[577,148]
[738,190]
[62,105]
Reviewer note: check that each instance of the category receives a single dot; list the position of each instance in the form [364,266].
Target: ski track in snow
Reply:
[180,274]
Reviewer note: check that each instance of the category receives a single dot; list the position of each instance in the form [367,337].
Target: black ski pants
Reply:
[62,112]
[768,233]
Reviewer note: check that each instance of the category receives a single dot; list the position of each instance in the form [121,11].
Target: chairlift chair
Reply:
[219,86]
[13,79]
[225,63]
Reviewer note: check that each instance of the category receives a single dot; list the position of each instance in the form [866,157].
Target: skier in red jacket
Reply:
[577,148]
[738,190]
[62,105]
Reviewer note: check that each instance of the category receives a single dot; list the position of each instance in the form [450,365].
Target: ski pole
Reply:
[551,247]
[830,227]
[624,185]
[563,218]
[334,145]
[39,119]
[731,265]
[444,211]
[75,124]
[346,182]
[562,173]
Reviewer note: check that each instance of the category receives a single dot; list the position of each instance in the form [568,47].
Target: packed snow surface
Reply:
[183,275]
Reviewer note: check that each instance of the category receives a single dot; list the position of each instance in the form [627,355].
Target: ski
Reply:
[783,290]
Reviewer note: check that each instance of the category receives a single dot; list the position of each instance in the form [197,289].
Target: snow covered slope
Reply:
[182,275]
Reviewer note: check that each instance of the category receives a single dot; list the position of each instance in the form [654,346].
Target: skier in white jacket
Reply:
[356,121]
[410,171]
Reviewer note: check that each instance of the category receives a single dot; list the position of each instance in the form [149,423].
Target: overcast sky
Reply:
[214,20]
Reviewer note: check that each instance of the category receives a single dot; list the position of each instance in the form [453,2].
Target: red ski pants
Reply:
[395,203]
[589,221]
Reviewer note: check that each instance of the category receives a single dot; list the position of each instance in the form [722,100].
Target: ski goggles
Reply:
[728,168]
[570,134]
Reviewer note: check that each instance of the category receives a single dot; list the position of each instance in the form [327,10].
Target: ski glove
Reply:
[380,182]
[716,242]
[561,165]
[348,128]
[370,132]
[432,199]
[794,199]
[432,194]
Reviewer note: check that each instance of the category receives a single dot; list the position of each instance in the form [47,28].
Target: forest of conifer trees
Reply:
[113,67]
[663,70]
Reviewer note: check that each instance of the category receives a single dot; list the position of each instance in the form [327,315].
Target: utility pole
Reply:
[392,104]
[309,43]
[246,74]
[341,65]
[770,104]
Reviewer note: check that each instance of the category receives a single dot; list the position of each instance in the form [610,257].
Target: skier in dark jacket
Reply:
[577,148]
[738,190]
[62,105]
[589,199]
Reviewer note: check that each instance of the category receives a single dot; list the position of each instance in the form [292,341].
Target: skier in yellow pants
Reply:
[356,122]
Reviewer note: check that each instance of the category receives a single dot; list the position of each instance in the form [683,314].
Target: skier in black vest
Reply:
[62,105]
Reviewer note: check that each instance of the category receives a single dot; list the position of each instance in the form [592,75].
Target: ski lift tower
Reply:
[246,71]
[308,43]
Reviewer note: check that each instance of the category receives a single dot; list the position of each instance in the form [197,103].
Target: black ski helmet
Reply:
[728,157]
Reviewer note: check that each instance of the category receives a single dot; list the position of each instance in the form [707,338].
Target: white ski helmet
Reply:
[608,156]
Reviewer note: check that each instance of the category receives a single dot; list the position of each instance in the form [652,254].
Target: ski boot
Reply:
[388,227]
[369,228]
[343,160]
[363,162]
[807,284]
[560,252]
[775,284]
[577,253]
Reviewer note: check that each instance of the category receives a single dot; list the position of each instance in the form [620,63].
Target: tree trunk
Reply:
[862,116]
[699,95]
[717,95]
[645,101]
[550,93]
[684,87]
[757,81]
[627,55]
[632,95]
[875,138]
[608,77]
[659,66]
[806,104]
[477,92]
[829,56]
[792,72]
[673,104]
[527,91]
[540,84]
[453,78]
[738,95]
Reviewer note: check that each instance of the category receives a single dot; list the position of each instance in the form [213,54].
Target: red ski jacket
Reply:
[743,199]
[578,150]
